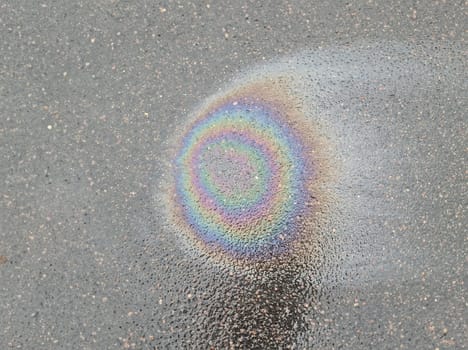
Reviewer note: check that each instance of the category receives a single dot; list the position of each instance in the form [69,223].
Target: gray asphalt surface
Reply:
[91,95]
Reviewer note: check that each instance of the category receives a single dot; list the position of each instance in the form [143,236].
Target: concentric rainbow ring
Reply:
[242,177]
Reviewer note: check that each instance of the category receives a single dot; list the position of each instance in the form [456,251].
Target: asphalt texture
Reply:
[92,97]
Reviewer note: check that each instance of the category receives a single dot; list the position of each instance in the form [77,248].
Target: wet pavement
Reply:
[104,243]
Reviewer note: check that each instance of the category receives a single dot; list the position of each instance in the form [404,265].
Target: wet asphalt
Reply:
[92,95]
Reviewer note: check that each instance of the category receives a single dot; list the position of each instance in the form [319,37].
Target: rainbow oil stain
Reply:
[248,176]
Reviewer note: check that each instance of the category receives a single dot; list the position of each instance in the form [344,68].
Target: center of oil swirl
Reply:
[233,175]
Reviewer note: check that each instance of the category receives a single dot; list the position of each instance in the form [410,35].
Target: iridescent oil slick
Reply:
[286,202]
[249,176]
